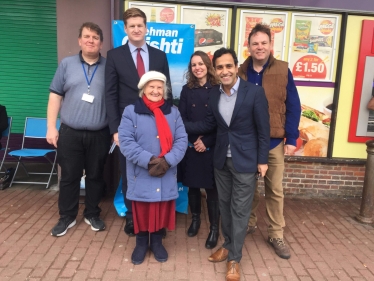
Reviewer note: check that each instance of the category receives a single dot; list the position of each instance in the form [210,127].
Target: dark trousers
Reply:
[78,150]
[128,203]
[235,195]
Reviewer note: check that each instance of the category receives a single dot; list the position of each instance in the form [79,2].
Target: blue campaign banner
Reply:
[176,40]
[181,203]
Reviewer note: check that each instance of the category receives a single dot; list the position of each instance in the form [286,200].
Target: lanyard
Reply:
[85,74]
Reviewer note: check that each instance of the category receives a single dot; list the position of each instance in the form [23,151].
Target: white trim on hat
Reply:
[149,76]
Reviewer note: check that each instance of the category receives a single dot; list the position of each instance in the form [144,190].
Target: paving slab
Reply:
[325,240]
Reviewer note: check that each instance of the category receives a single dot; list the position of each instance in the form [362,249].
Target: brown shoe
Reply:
[280,248]
[233,273]
[251,229]
[220,255]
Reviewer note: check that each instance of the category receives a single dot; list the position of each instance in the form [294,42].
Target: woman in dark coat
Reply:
[196,168]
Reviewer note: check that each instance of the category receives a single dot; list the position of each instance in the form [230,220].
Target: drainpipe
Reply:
[367,202]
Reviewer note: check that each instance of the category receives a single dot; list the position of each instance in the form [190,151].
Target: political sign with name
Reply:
[176,40]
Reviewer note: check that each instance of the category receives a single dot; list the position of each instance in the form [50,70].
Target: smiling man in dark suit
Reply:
[239,111]
[125,65]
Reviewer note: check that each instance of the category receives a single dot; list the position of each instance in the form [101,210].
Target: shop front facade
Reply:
[329,47]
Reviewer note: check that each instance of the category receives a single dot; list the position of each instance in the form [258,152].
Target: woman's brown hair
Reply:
[192,81]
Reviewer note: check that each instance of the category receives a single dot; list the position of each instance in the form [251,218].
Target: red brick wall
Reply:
[322,179]
[300,178]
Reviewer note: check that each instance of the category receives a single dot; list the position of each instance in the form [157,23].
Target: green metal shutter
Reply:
[28,57]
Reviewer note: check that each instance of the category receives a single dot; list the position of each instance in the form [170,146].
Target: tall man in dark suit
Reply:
[125,65]
[239,111]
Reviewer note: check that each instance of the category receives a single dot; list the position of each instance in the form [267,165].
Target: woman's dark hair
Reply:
[192,81]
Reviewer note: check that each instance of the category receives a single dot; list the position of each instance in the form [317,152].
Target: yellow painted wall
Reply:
[342,148]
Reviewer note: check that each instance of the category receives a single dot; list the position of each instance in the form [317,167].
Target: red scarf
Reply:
[163,129]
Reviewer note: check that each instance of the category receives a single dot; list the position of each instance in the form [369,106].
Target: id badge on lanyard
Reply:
[86,96]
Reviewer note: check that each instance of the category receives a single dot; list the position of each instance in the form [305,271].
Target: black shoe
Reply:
[129,227]
[96,223]
[195,206]
[4,183]
[141,249]
[159,251]
[211,241]
[64,223]
[195,225]
[213,213]
[6,179]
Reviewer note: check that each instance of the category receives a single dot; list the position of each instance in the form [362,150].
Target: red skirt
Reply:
[152,216]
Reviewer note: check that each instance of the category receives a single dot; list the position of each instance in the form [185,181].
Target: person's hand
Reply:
[199,145]
[262,168]
[152,163]
[115,138]
[52,136]
[289,149]
[158,167]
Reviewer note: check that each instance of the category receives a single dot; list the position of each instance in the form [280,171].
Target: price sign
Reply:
[309,67]
[312,46]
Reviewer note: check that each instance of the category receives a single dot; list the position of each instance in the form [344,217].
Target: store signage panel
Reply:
[361,127]
[348,5]
[277,22]
[156,12]
[365,124]
[312,46]
[211,27]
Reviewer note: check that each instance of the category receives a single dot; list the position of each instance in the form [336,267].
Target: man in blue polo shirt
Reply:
[262,69]
[77,93]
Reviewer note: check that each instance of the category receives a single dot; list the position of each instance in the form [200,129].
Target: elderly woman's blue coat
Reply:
[139,141]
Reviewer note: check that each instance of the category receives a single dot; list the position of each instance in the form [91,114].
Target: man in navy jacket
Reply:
[239,111]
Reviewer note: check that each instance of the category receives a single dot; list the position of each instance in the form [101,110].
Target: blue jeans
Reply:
[78,150]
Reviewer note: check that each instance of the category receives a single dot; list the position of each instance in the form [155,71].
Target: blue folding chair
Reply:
[6,134]
[35,128]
